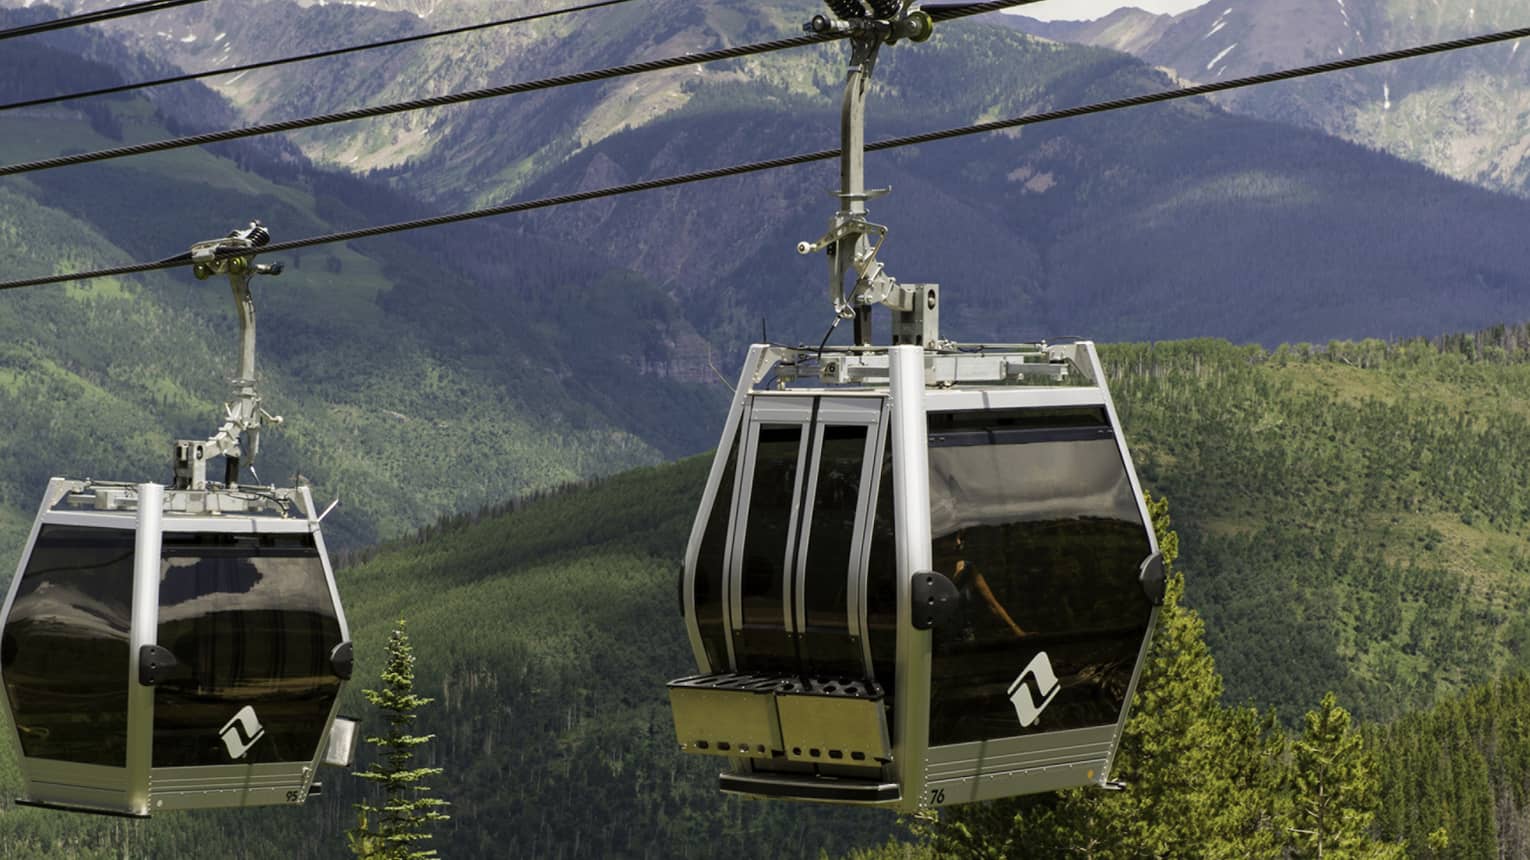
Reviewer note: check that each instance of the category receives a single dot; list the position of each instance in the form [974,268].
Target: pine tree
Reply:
[1334,790]
[390,831]
[1177,755]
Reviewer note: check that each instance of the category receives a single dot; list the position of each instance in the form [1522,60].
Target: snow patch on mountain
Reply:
[1221,56]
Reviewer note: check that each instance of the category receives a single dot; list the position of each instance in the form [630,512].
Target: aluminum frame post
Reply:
[852,183]
[144,630]
[912,508]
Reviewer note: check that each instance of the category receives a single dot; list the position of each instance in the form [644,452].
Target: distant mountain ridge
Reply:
[1466,114]
[1170,221]
[1127,29]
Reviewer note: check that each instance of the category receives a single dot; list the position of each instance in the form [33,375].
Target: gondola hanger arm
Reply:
[243,415]
[849,239]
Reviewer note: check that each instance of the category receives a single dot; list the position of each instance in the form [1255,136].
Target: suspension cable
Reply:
[940,14]
[95,17]
[317,55]
[803,158]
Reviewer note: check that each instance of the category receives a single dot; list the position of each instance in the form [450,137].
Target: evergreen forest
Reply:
[1348,624]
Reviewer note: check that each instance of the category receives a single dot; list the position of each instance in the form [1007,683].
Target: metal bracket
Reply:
[844,228]
[933,599]
[155,664]
[945,364]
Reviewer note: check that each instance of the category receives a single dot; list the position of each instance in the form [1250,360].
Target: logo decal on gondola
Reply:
[241,733]
[1038,681]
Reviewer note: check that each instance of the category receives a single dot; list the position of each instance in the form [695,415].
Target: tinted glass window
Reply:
[882,582]
[710,560]
[1034,519]
[762,644]
[251,622]
[828,648]
[65,650]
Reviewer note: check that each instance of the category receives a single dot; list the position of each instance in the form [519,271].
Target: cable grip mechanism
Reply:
[852,241]
[243,416]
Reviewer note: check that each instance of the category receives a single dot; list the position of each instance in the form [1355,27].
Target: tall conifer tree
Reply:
[392,830]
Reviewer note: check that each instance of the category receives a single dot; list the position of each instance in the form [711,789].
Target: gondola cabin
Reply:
[172,649]
[918,576]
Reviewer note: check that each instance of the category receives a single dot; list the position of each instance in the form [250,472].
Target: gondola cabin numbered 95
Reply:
[179,647]
[928,579]
[159,655]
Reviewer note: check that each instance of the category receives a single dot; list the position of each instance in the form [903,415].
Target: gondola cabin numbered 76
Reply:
[922,573]
[931,583]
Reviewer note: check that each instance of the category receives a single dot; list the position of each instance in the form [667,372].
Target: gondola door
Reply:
[764,530]
[775,589]
[830,585]
[797,573]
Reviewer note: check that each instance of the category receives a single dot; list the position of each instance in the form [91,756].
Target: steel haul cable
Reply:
[804,158]
[317,55]
[939,14]
[95,17]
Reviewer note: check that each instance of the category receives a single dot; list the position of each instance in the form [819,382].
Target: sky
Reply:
[1079,10]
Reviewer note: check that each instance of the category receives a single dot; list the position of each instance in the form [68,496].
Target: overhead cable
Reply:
[95,17]
[317,55]
[789,161]
[940,14]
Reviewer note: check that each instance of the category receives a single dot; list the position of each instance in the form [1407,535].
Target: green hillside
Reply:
[420,376]
[1462,769]
[1350,519]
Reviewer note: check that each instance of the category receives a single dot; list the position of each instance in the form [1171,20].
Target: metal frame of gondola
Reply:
[912,382]
[148,511]
[191,504]
[919,374]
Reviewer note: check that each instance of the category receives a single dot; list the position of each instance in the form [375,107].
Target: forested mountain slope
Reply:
[1350,519]
[1169,221]
[420,374]
[1461,771]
